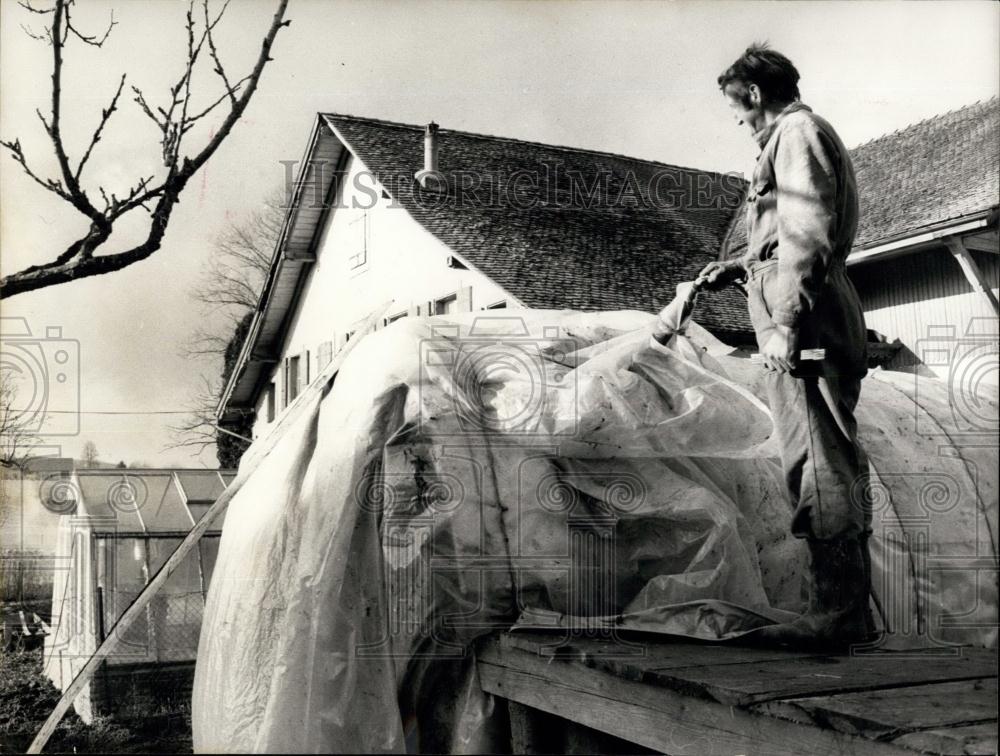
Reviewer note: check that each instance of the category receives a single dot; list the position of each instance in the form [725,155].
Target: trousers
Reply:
[824,466]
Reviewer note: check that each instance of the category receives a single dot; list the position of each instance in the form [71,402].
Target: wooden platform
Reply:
[690,698]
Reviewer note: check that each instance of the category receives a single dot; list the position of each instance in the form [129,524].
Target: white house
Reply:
[442,221]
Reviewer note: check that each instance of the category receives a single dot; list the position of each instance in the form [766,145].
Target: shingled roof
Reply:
[519,212]
[942,169]
[555,227]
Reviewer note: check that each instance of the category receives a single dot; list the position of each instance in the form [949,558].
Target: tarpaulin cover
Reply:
[464,473]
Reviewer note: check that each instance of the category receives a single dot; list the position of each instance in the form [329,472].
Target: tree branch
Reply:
[18,154]
[236,111]
[78,260]
[230,91]
[90,39]
[105,116]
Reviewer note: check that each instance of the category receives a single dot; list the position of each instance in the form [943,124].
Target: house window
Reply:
[291,379]
[357,241]
[394,318]
[270,402]
[446,306]
[497,306]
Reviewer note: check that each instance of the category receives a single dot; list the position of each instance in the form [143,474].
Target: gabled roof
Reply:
[650,226]
[937,171]
[518,212]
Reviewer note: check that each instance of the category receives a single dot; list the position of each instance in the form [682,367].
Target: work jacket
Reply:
[802,215]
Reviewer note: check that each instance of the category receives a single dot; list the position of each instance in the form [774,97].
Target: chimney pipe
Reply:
[430,177]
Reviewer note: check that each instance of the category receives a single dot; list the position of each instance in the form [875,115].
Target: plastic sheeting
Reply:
[561,468]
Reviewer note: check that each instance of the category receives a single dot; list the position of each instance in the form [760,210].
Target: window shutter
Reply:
[324,355]
[463,299]
[284,384]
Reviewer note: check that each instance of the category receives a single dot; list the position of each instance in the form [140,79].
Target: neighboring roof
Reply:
[649,227]
[939,170]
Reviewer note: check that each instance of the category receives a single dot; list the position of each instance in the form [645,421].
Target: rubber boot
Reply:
[838,614]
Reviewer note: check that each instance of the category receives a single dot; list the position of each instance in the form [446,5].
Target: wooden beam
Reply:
[260,354]
[988,241]
[299,254]
[972,271]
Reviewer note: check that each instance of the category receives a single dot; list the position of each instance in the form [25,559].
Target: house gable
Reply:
[602,232]
[368,251]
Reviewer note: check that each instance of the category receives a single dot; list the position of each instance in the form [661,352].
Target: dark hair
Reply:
[772,72]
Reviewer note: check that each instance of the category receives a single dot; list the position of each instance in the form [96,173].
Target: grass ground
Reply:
[27,698]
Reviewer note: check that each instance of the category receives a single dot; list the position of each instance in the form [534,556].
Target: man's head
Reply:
[760,81]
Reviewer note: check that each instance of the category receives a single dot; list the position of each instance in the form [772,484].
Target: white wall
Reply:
[924,300]
[403,261]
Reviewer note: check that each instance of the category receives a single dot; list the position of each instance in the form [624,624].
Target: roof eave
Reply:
[904,243]
[277,260]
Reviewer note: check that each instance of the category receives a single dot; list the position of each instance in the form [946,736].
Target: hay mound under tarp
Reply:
[464,473]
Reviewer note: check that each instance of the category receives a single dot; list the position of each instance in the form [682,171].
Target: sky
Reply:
[635,78]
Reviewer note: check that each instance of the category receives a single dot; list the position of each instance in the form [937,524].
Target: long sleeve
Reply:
[806,184]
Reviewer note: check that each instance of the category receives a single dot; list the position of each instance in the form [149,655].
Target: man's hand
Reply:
[719,275]
[781,352]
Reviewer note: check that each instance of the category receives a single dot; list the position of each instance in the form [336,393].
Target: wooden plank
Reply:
[662,719]
[878,713]
[745,684]
[641,659]
[973,739]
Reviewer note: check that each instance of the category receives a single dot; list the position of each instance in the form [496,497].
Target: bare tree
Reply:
[233,276]
[17,437]
[230,285]
[90,454]
[174,120]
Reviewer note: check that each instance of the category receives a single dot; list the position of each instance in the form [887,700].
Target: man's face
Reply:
[745,103]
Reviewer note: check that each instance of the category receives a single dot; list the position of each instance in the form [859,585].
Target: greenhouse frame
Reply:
[119,527]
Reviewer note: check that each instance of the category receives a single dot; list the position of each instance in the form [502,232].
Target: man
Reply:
[802,213]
